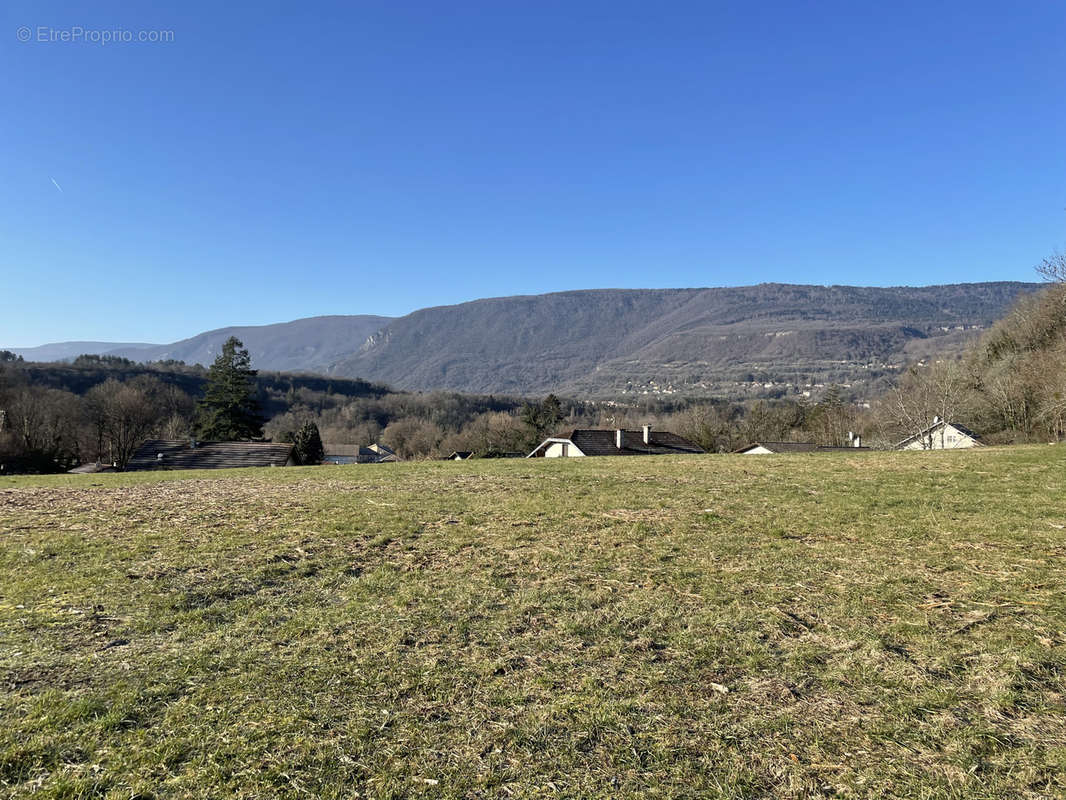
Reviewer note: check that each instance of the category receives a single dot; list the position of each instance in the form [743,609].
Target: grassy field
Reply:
[829,625]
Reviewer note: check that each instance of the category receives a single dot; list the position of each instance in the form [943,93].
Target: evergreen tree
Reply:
[543,417]
[229,410]
[308,447]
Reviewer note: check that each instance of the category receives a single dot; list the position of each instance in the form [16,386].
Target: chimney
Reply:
[647,434]
[618,438]
[936,420]
[851,437]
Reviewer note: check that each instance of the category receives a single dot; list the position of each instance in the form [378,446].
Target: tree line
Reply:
[100,408]
[113,405]
[1010,387]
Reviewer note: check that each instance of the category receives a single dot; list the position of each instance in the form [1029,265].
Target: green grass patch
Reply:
[821,625]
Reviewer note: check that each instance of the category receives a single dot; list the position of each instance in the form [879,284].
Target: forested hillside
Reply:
[1018,373]
[772,340]
[1009,385]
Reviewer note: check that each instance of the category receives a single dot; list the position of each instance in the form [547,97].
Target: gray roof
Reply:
[180,454]
[796,447]
[782,447]
[332,449]
[602,442]
[384,454]
[371,454]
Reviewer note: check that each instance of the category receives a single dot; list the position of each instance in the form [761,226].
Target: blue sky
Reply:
[349,158]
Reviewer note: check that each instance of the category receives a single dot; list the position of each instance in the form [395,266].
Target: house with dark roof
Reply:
[459,455]
[606,442]
[382,454]
[769,448]
[357,454]
[942,435]
[167,454]
[340,453]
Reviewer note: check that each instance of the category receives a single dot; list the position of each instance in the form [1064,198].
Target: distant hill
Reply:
[64,351]
[766,340]
[763,340]
[312,344]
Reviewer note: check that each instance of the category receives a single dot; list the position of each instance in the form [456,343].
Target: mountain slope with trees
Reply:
[1009,385]
[724,342]
[1018,372]
[771,340]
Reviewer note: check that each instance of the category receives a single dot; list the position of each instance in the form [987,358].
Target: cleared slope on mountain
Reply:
[605,341]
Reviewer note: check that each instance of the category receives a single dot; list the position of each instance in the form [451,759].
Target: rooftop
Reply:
[184,454]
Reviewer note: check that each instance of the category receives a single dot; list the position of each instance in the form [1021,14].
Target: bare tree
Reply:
[128,413]
[1007,396]
[832,419]
[411,437]
[490,433]
[43,427]
[1044,378]
[925,395]
[711,427]
[1053,268]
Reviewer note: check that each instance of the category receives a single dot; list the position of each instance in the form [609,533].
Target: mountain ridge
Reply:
[609,342]
[271,344]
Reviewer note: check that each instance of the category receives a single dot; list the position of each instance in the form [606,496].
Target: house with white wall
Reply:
[942,435]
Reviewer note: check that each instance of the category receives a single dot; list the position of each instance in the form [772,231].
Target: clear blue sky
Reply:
[380,157]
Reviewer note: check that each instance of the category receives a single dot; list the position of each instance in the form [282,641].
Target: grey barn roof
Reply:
[180,454]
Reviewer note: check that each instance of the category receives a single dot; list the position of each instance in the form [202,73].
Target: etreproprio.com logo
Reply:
[77,34]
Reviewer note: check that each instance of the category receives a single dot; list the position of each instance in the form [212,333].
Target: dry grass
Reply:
[803,626]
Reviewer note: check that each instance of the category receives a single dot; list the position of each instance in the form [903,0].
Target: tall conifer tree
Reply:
[229,410]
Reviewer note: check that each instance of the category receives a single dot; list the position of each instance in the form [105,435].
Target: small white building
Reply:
[942,436]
